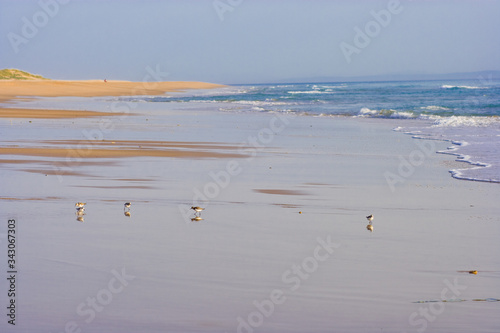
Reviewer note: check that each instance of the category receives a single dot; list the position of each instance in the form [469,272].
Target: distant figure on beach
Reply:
[105,80]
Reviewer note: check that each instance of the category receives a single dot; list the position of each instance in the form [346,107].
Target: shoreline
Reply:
[310,178]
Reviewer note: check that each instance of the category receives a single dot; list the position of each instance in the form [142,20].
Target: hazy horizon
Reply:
[241,41]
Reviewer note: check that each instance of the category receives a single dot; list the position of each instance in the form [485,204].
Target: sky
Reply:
[247,41]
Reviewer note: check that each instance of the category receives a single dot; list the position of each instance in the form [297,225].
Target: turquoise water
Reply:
[465,113]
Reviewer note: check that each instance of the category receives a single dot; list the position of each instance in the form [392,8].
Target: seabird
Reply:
[197,209]
[370,217]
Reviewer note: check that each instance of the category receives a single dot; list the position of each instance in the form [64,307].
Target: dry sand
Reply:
[10,89]
[20,89]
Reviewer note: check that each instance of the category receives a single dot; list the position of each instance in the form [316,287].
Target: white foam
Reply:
[446,86]
[466,121]
[434,108]
[475,141]
[402,115]
[367,111]
[311,92]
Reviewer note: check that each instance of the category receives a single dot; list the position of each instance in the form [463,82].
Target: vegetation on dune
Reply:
[16,74]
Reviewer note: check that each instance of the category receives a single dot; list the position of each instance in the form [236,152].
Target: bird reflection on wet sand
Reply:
[370,225]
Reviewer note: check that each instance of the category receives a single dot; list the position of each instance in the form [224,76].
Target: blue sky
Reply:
[248,41]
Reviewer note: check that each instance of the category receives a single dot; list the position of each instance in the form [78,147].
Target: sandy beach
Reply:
[12,90]
[282,245]
[91,88]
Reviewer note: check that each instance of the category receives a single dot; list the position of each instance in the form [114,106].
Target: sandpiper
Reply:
[370,217]
[197,209]
[369,227]
[127,205]
[80,204]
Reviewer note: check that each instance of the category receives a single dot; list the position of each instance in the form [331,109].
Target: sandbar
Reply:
[15,90]
[51,114]
[126,148]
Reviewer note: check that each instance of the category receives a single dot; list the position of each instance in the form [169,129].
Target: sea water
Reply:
[465,113]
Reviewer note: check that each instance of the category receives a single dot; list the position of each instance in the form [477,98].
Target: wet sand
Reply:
[92,149]
[221,273]
[52,114]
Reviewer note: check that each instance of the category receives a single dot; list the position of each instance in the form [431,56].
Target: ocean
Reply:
[465,113]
